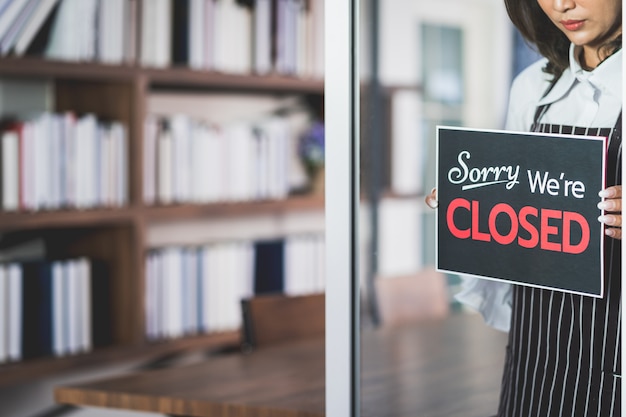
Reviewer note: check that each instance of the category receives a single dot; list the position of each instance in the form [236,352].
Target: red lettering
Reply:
[538,236]
[508,210]
[477,234]
[568,218]
[526,225]
[547,230]
[455,204]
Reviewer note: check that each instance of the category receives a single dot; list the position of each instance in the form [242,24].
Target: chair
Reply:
[278,318]
[419,296]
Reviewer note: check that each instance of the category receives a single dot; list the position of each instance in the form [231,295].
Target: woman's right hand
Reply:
[431,199]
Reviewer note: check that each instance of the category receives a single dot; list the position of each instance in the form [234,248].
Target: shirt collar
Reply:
[606,77]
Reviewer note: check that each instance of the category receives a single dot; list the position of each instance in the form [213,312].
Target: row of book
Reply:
[192,290]
[254,36]
[78,30]
[53,308]
[187,160]
[59,160]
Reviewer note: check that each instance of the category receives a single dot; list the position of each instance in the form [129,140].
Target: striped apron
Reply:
[564,355]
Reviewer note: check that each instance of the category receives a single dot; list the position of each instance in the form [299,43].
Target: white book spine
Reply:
[85,304]
[54,167]
[58,305]
[73,307]
[165,152]
[4,314]
[159,290]
[263,36]
[10,171]
[7,18]
[205,299]
[209,35]
[177,293]
[15,312]
[26,171]
[163,33]
[190,302]
[149,160]
[148,33]
[149,297]
[196,41]
[121,161]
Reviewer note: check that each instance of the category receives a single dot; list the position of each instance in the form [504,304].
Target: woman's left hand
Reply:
[612,205]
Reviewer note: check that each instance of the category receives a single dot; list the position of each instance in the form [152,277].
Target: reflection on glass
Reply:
[423,64]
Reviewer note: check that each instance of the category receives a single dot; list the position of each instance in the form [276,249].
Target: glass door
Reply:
[422,64]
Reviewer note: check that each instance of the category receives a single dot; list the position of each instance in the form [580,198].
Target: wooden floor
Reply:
[443,368]
[435,369]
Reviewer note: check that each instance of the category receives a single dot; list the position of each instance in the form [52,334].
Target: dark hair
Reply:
[539,30]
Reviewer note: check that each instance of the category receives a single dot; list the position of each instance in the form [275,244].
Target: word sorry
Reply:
[482,177]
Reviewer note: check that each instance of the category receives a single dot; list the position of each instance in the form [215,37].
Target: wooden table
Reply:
[442,368]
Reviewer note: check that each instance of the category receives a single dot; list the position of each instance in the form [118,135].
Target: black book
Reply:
[36,309]
[180,32]
[269,274]
[101,298]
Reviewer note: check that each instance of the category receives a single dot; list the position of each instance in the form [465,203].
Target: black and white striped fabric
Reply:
[564,352]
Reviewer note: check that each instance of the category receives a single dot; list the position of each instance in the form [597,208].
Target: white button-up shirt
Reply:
[579,98]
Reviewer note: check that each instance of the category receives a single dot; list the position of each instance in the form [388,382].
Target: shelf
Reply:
[104,216]
[17,372]
[164,78]
[186,77]
[64,218]
[191,211]
[40,67]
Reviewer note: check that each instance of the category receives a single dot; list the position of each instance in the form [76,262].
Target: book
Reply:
[10,170]
[38,44]
[4,314]
[37,310]
[262,36]
[195,33]
[99,300]
[7,41]
[73,308]
[59,303]
[269,267]
[84,304]
[110,39]
[43,9]
[130,31]
[14,275]
[181,39]
[209,35]
[10,14]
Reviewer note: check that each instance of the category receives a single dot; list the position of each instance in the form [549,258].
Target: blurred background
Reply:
[163,159]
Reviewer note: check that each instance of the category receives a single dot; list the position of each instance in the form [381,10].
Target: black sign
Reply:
[521,207]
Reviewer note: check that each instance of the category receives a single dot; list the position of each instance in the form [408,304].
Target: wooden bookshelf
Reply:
[175,77]
[118,235]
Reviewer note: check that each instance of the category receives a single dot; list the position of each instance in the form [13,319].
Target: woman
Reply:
[564,356]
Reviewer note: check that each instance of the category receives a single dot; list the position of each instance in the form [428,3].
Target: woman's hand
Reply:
[612,205]
[431,199]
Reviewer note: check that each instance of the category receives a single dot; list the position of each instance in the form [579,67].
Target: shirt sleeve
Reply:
[491,299]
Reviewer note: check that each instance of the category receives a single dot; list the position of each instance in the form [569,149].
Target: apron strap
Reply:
[541,110]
